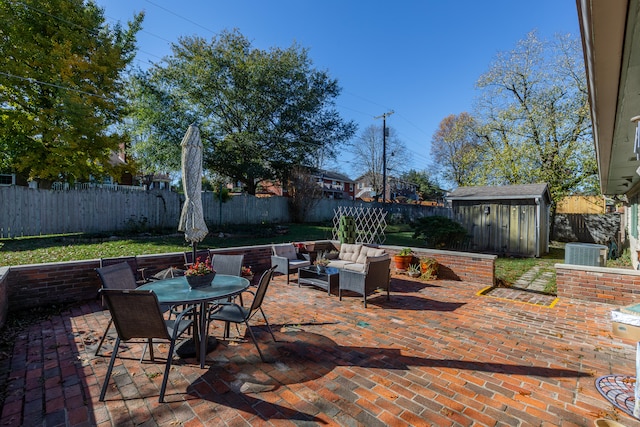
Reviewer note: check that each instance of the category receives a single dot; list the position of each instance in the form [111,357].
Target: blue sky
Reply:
[419,58]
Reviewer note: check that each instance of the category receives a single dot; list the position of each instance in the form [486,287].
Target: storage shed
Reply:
[506,220]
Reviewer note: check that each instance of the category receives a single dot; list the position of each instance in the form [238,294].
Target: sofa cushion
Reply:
[298,263]
[287,251]
[382,257]
[349,252]
[366,252]
[338,263]
[354,266]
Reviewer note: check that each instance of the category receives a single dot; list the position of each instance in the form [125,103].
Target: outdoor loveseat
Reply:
[363,269]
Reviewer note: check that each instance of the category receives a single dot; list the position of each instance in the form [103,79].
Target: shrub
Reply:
[439,232]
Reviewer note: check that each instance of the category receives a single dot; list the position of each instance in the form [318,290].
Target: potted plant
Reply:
[403,259]
[414,270]
[321,264]
[247,273]
[200,274]
[429,268]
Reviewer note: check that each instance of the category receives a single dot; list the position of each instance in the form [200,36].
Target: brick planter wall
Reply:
[37,285]
[4,301]
[27,286]
[616,286]
[463,266]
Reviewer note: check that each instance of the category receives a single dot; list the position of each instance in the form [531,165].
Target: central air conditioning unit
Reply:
[585,254]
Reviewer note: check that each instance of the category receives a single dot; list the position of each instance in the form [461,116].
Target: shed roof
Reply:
[523,191]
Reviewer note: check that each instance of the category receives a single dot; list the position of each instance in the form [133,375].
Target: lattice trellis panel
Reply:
[370,223]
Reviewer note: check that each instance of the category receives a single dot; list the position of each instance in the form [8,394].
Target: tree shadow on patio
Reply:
[244,383]
[403,285]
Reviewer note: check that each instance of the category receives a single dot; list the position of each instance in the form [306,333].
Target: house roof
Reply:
[523,191]
[333,175]
[610,32]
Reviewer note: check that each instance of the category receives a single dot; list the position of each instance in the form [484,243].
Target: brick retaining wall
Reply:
[616,286]
[27,286]
[4,301]
[37,285]
[463,266]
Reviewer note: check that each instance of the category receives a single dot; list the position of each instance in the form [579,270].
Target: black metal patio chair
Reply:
[117,276]
[137,315]
[235,313]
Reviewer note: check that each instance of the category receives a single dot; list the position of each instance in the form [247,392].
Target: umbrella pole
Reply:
[193,245]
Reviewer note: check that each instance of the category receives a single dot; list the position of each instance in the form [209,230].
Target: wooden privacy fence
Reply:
[32,212]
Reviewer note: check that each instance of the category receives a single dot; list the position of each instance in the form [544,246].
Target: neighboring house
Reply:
[396,189]
[610,34]
[506,220]
[334,186]
[365,188]
[155,181]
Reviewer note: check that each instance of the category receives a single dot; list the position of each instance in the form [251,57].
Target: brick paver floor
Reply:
[438,353]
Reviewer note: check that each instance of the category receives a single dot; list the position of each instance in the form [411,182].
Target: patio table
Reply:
[177,291]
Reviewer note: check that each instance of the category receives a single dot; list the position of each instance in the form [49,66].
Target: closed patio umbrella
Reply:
[192,216]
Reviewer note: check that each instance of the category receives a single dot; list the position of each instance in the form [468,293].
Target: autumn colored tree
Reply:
[455,149]
[428,187]
[533,118]
[61,87]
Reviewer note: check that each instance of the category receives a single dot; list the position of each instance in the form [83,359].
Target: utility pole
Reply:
[384,153]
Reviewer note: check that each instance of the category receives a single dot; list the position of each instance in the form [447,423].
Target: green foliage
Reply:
[61,88]
[222,194]
[414,268]
[438,231]
[347,230]
[456,148]
[260,112]
[405,252]
[428,188]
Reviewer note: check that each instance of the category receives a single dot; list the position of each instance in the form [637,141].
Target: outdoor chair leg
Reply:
[167,369]
[255,342]
[268,325]
[109,369]
[104,335]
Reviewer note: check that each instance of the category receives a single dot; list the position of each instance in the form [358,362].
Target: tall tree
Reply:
[455,149]
[61,84]
[367,150]
[428,188]
[260,112]
[534,118]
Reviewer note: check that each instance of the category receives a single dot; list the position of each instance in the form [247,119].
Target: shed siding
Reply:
[507,228]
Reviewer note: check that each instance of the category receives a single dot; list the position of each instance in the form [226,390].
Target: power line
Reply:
[180,16]
[32,80]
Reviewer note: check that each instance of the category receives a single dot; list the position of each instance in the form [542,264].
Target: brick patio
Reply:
[438,353]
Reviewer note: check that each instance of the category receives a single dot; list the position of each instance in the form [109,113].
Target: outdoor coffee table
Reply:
[324,278]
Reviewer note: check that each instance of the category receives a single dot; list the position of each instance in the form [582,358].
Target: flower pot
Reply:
[200,281]
[402,261]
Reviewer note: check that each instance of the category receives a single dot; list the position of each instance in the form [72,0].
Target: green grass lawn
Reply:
[32,250]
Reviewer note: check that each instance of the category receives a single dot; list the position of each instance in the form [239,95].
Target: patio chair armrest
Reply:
[352,280]
[280,263]
[190,309]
